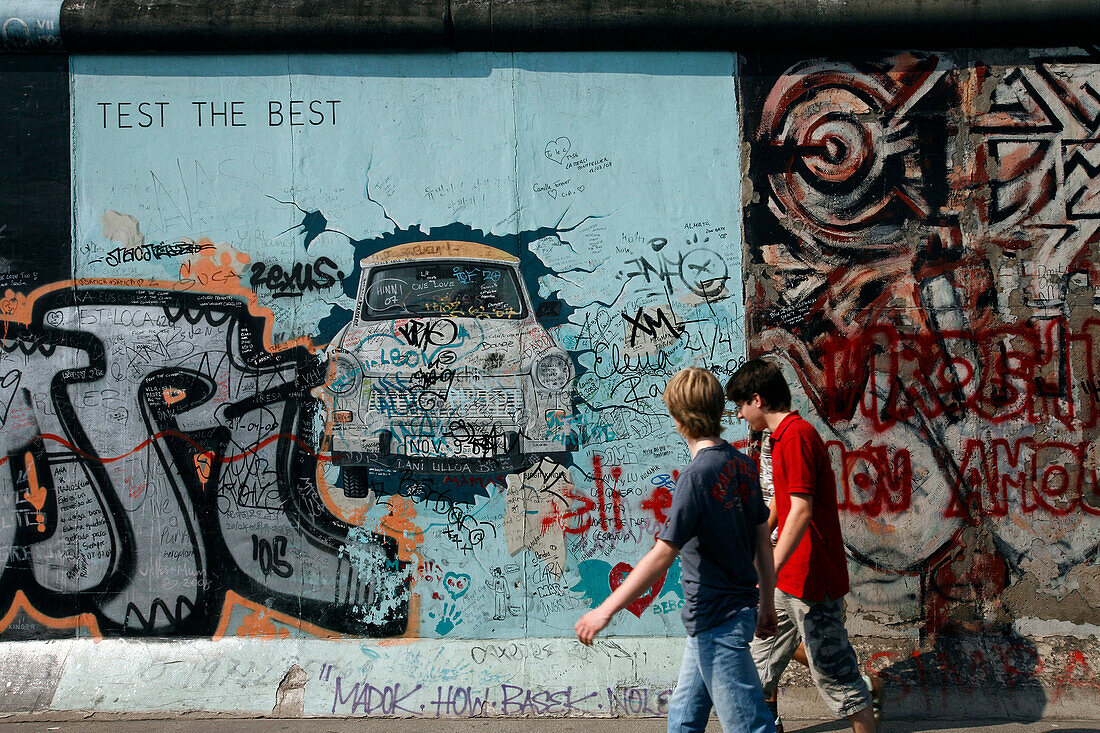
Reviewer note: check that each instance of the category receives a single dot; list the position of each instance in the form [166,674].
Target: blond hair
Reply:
[694,398]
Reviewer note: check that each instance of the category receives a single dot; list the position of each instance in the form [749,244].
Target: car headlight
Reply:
[344,374]
[553,372]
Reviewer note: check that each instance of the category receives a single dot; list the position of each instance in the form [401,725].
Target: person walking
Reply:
[810,564]
[718,525]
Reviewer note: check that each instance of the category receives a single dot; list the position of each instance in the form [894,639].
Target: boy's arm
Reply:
[773,516]
[802,511]
[651,567]
[767,623]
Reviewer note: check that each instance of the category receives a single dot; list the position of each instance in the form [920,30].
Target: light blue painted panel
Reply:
[607,183]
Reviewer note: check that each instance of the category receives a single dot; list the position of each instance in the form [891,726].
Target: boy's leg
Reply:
[690,705]
[833,664]
[863,721]
[771,656]
[726,664]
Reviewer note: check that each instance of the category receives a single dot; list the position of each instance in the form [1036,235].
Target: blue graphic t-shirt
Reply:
[716,507]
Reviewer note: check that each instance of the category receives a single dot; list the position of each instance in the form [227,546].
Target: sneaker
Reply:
[878,694]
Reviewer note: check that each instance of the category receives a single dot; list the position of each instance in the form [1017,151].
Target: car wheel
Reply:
[356,484]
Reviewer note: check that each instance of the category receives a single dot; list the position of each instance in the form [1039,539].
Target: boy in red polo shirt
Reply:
[811,568]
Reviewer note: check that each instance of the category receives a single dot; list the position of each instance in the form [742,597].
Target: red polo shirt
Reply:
[800,465]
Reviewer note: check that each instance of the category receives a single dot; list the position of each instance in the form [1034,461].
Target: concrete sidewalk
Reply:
[496,725]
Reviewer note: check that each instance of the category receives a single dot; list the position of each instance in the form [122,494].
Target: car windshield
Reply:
[457,289]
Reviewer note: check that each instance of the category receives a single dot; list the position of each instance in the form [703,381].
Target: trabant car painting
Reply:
[444,368]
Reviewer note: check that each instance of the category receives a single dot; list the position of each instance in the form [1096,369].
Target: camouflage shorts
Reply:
[833,664]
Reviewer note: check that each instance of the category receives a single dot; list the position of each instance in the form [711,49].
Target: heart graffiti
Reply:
[456,584]
[615,579]
[556,150]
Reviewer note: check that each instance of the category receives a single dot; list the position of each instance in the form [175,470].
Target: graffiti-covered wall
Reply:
[303,349]
[367,346]
[922,234]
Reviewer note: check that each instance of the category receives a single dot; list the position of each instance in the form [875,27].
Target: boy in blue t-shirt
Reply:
[718,523]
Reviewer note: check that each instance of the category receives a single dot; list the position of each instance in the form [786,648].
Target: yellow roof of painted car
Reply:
[443,249]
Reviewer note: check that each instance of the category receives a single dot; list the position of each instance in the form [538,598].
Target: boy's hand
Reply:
[767,622]
[591,624]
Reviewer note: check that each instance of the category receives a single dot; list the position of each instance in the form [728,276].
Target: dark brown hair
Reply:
[764,378]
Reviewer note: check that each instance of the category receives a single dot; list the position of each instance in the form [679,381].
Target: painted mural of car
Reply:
[444,368]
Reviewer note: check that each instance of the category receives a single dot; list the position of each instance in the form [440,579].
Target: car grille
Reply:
[459,401]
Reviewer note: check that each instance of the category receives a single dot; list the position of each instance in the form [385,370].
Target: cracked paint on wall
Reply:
[367,346]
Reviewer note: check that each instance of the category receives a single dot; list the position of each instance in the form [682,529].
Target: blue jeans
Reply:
[718,670]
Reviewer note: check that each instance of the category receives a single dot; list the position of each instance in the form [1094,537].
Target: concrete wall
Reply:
[921,247]
[213,429]
[921,230]
[345,377]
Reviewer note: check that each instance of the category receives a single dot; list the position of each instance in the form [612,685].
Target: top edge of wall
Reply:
[171,26]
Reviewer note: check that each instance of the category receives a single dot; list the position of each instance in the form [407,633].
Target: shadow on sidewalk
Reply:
[965,678]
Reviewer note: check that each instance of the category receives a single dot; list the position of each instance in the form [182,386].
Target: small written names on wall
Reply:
[122,115]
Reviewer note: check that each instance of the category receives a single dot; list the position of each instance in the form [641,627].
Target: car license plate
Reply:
[427,446]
